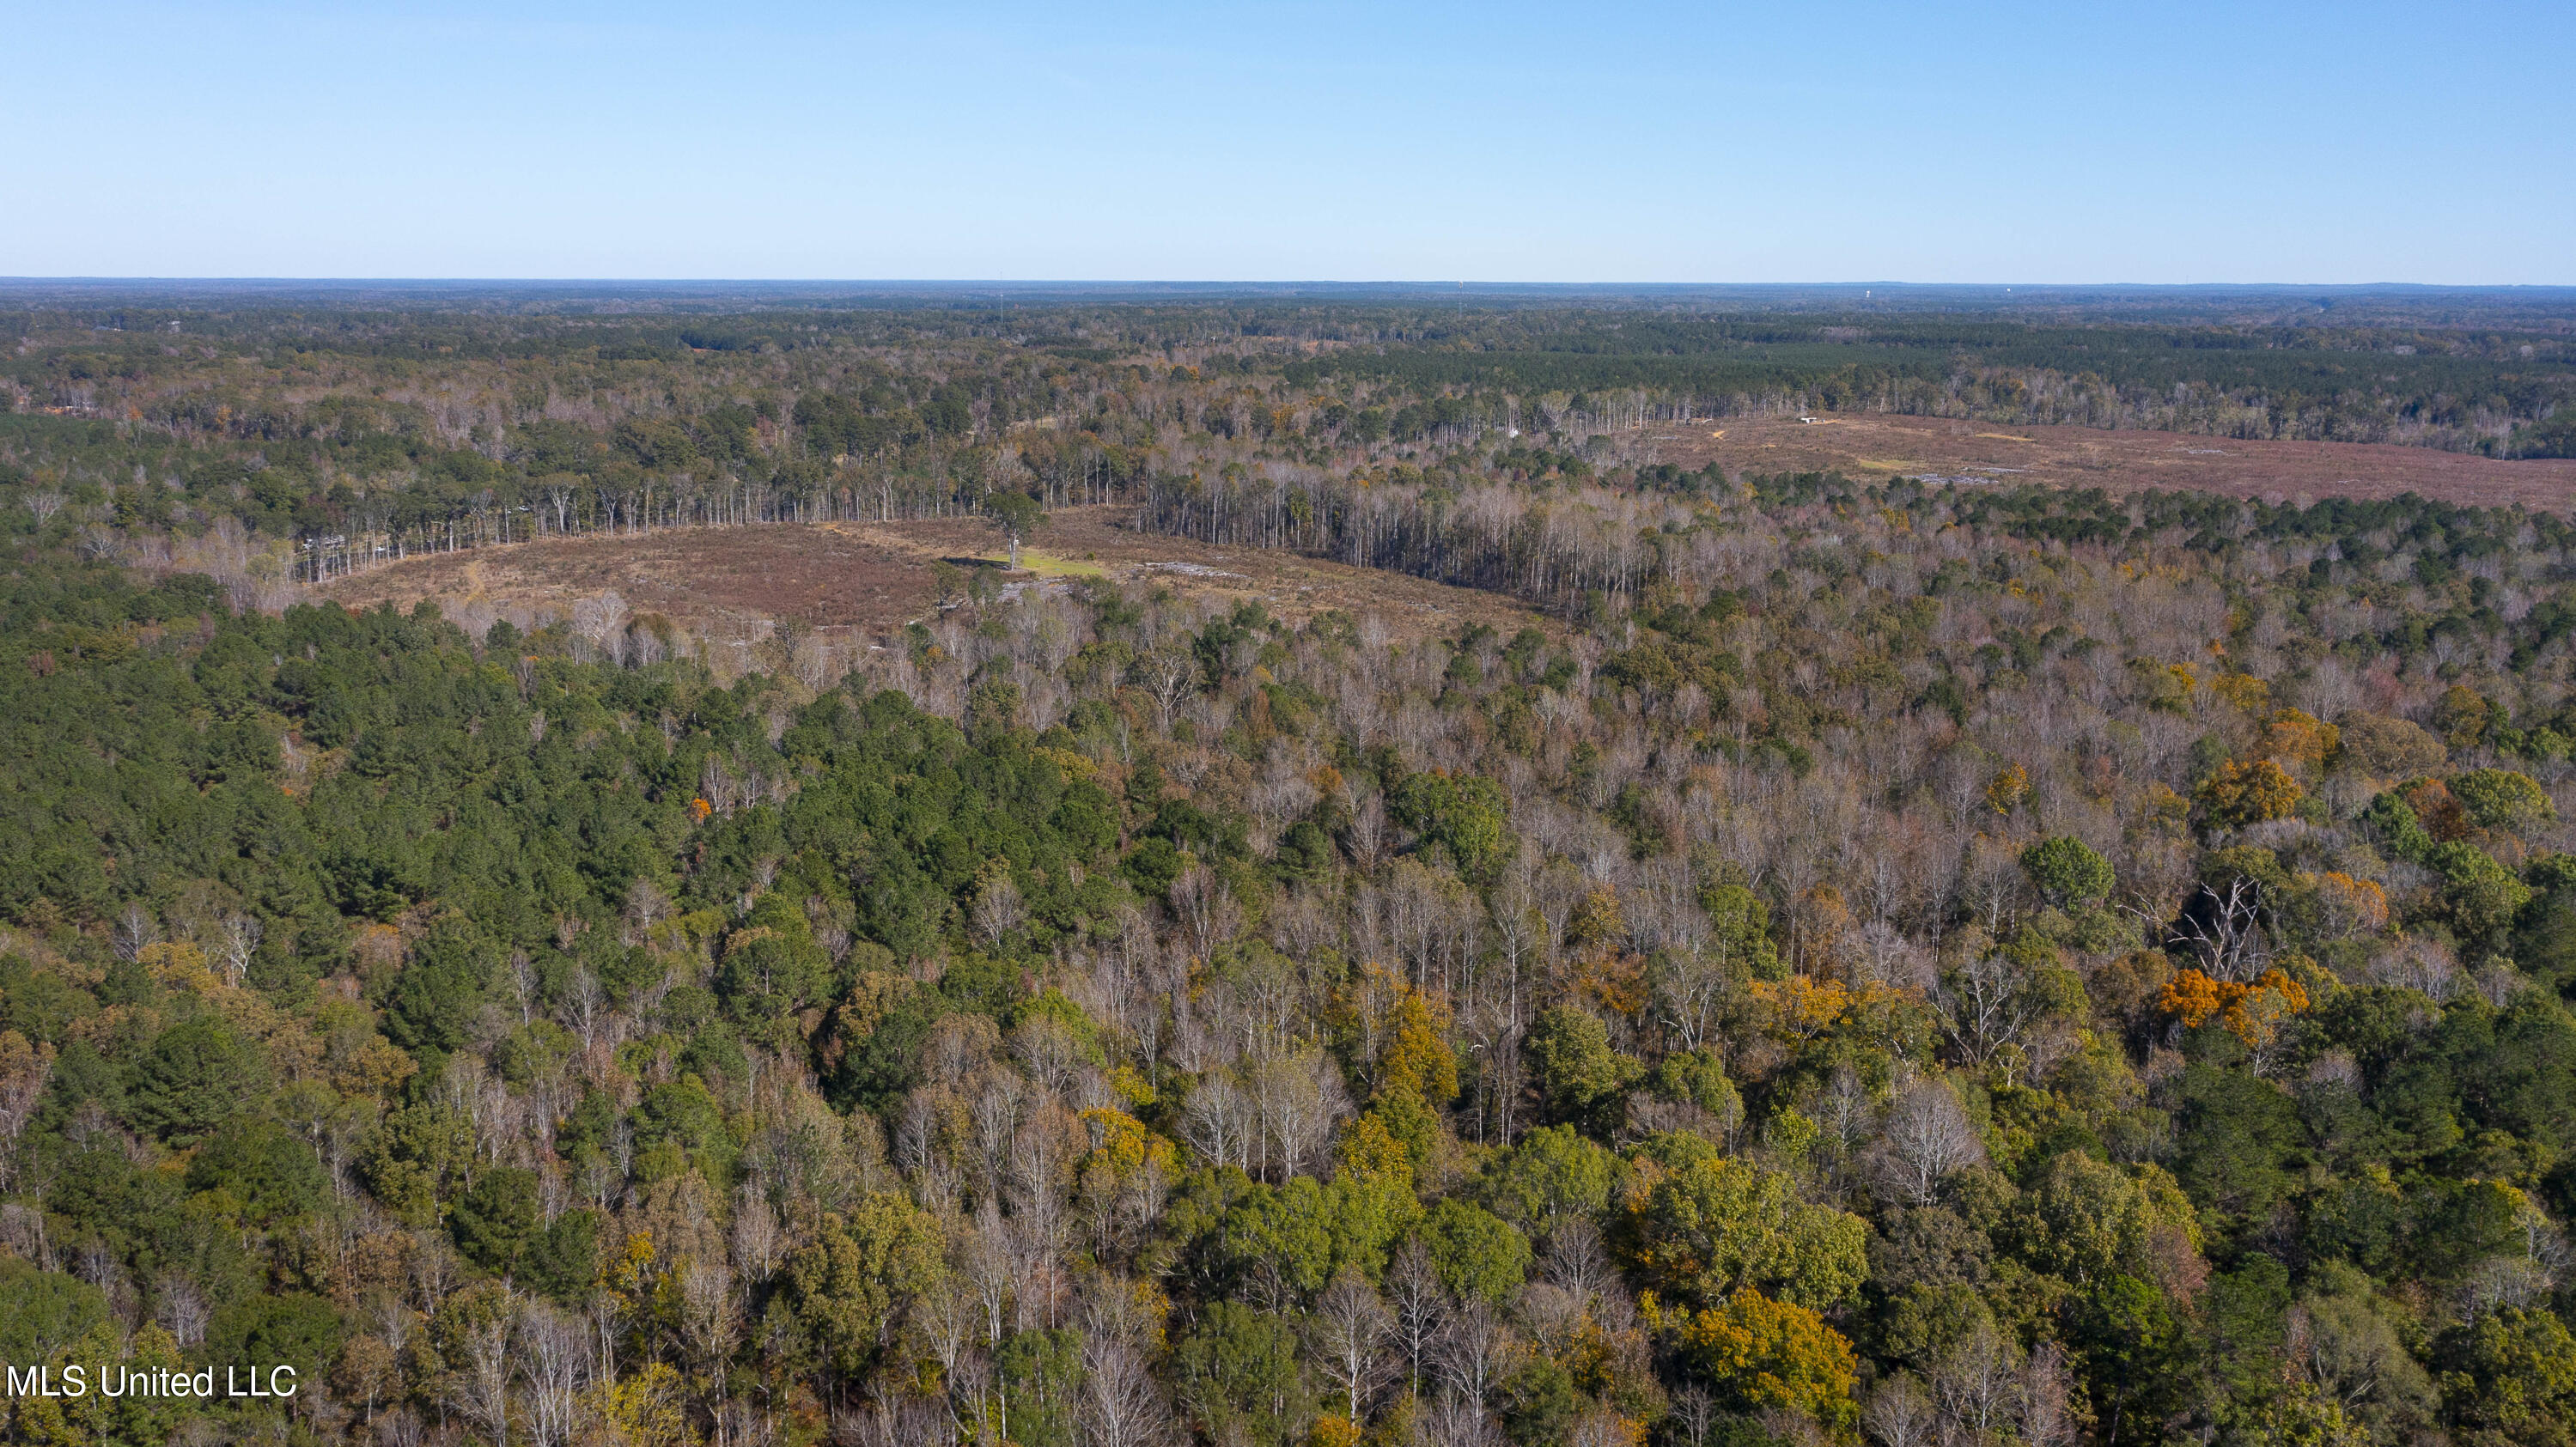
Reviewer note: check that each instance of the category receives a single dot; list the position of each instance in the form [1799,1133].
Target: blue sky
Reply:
[2057,142]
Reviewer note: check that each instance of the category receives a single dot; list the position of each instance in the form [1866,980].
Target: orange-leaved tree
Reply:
[2251,1012]
[1761,1353]
[2241,793]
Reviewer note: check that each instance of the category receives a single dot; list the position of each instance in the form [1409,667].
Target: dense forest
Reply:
[408,427]
[1891,964]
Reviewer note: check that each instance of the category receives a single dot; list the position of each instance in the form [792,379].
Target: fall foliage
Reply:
[1891,960]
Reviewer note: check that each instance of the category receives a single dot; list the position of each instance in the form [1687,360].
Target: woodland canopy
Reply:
[1891,963]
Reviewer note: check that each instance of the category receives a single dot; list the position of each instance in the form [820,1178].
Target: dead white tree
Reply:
[1207,909]
[1978,1379]
[1925,1137]
[482,1390]
[1691,992]
[237,943]
[555,1362]
[2224,927]
[1169,672]
[1215,1122]
[1471,1348]
[1900,1414]
[1413,1287]
[1349,1328]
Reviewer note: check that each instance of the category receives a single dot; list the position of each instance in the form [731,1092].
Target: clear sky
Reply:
[2327,141]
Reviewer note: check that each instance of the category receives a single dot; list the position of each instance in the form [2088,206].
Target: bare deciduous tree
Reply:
[1206,908]
[25,1070]
[1925,1137]
[984,1260]
[710,1315]
[1413,1289]
[1978,1379]
[1987,1004]
[1900,1414]
[135,928]
[1471,1347]
[1121,1404]
[1214,1122]
[481,1389]
[555,1361]
[1169,671]
[2224,928]
[1300,1099]
[1691,992]
[1695,1412]
[181,1310]
[646,905]
[758,1242]
[235,946]
[2044,1417]
[1576,1261]
[1349,1326]
[998,909]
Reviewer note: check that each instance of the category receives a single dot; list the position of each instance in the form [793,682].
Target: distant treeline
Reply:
[347,434]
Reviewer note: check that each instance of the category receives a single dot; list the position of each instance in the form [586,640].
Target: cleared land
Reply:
[1879,445]
[872,578]
[866,580]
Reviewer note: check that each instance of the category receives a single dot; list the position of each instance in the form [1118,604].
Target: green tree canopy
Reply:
[194,1079]
[1716,1224]
[2067,872]
[845,1286]
[1581,1080]
[2502,799]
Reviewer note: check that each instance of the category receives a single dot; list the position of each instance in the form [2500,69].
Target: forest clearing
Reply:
[862,582]
[1882,445]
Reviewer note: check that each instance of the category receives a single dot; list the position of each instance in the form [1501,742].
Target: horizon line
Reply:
[1450,284]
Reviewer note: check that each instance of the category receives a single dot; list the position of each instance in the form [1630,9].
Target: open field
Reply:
[1878,445]
[872,578]
[865,581]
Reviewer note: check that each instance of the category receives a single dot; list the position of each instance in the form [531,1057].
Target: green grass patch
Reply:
[1051,565]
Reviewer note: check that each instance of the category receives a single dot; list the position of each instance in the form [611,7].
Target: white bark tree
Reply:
[1925,1137]
[1349,1329]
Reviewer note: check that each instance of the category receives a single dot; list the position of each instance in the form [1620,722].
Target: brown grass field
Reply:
[1878,445]
[872,578]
